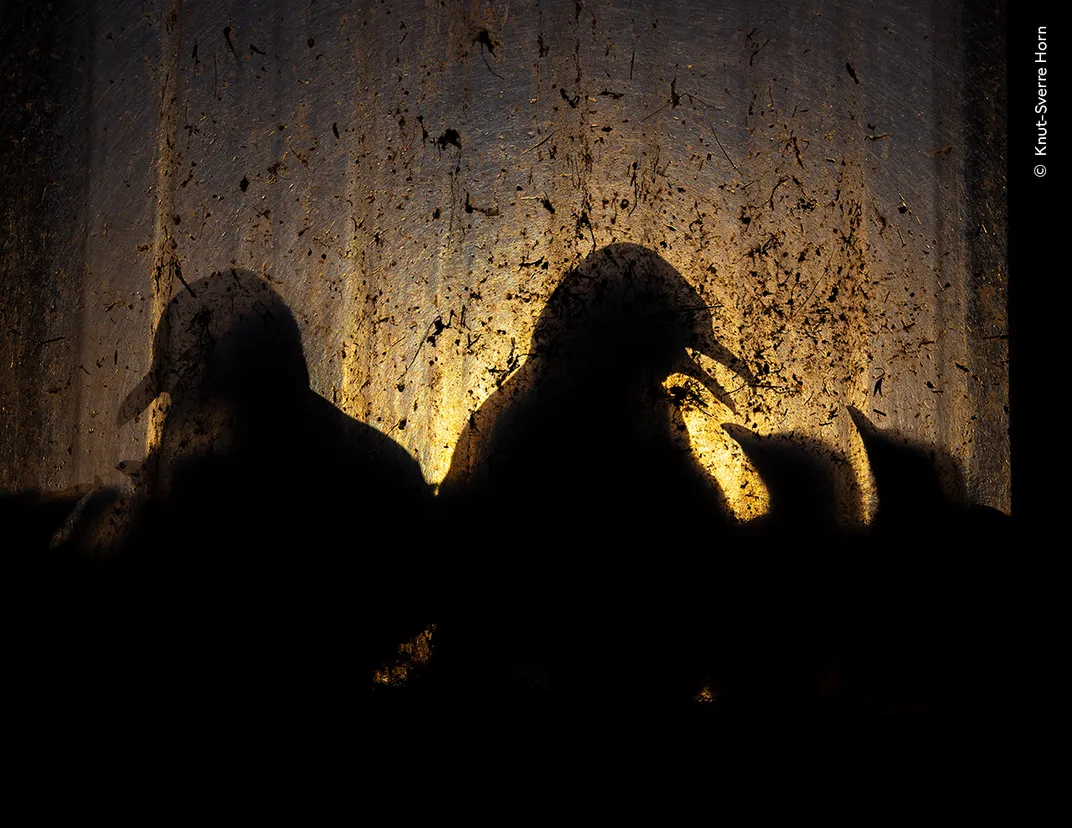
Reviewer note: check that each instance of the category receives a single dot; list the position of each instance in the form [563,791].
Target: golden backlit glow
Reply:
[718,453]
[412,655]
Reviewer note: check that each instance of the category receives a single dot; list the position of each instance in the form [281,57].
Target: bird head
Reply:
[809,483]
[625,315]
[227,339]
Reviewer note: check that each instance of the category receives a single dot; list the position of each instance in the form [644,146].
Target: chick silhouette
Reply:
[789,598]
[594,519]
[931,611]
[809,486]
[259,550]
[921,492]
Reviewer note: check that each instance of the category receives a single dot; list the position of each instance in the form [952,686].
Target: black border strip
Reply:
[1037,263]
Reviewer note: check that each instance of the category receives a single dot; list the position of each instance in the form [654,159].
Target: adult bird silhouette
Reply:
[259,548]
[593,526]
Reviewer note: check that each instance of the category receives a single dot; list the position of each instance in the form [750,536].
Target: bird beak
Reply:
[689,367]
[715,351]
[139,399]
[741,435]
[863,425]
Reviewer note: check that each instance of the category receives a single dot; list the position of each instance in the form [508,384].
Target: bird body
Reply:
[593,524]
[256,567]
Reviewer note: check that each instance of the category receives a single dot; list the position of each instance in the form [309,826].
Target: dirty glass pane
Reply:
[430,193]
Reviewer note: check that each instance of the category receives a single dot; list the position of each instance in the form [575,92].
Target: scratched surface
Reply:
[415,178]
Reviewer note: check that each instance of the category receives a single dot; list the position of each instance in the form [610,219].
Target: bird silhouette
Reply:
[921,488]
[786,601]
[930,612]
[591,517]
[258,565]
[811,488]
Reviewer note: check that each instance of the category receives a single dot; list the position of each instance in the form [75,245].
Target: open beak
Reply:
[690,368]
[714,350]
